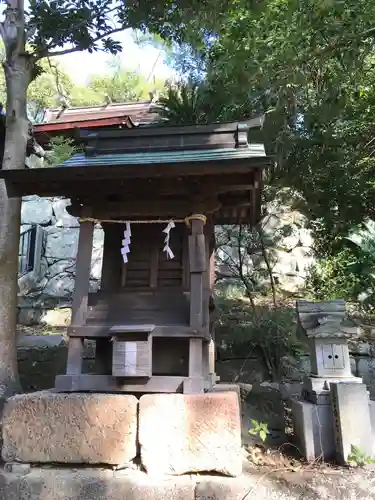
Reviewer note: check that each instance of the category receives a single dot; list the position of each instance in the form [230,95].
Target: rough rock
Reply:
[61,285]
[63,218]
[57,317]
[61,266]
[190,433]
[62,243]
[36,211]
[44,427]
[29,316]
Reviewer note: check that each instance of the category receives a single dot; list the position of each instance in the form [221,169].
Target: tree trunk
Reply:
[17,74]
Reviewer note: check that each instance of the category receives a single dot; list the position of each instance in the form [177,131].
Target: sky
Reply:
[80,65]
[147,60]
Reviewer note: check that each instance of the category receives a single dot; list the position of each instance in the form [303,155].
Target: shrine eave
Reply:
[79,175]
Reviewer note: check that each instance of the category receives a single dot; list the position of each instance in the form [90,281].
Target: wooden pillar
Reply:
[209,279]
[80,296]
[110,282]
[198,266]
[112,260]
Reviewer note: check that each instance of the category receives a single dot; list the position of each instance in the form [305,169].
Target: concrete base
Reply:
[317,389]
[314,431]
[93,484]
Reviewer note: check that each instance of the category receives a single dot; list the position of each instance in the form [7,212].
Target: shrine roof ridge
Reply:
[164,137]
[166,157]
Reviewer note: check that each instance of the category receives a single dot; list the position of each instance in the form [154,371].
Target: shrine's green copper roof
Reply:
[167,157]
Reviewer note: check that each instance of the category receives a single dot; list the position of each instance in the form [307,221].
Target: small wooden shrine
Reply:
[157,193]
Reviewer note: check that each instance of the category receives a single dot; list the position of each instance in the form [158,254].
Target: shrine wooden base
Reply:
[108,383]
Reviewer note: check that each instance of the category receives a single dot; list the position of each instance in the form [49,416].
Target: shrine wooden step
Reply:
[103,330]
[107,383]
[116,329]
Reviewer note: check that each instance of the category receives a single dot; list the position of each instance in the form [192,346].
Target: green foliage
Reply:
[339,276]
[357,458]
[60,149]
[259,429]
[48,90]
[310,67]
[121,85]
[268,332]
[349,273]
[184,104]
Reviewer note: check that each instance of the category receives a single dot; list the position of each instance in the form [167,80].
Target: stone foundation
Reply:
[190,433]
[175,433]
[92,484]
[45,427]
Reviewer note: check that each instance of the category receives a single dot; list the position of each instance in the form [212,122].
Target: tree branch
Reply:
[75,49]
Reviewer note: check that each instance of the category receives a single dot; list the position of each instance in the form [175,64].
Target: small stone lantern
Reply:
[327,328]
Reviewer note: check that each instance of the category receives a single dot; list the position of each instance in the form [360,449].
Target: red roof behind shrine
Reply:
[66,121]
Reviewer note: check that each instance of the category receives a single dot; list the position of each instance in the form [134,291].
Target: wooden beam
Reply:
[80,295]
[155,208]
[180,186]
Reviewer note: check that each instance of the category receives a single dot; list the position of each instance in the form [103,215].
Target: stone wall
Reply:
[51,283]
[288,245]
[292,255]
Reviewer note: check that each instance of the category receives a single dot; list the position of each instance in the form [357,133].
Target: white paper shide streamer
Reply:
[167,248]
[125,249]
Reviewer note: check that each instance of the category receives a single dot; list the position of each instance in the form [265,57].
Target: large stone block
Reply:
[313,430]
[36,211]
[45,427]
[352,420]
[180,433]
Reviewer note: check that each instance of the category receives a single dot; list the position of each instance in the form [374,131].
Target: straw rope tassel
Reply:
[187,220]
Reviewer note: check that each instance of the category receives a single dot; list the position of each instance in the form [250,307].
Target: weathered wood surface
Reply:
[196,281]
[177,138]
[104,331]
[169,208]
[195,383]
[103,356]
[138,307]
[197,253]
[148,266]
[80,296]
[131,329]
[108,383]
[112,260]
